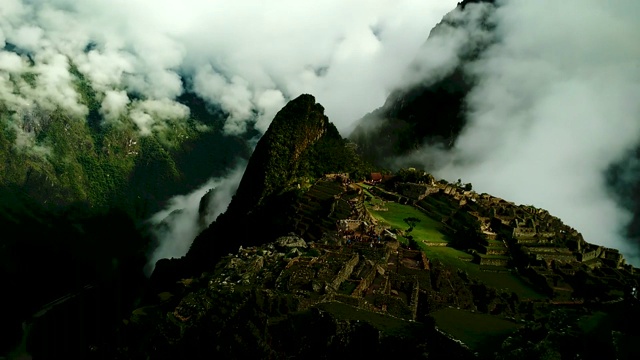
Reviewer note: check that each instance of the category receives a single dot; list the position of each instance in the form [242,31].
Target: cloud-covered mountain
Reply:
[531,101]
[247,58]
[102,100]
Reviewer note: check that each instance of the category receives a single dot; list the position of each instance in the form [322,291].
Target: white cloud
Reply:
[114,104]
[11,62]
[146,113]
[268,104]
[176,226]
[237,54]
[54,85]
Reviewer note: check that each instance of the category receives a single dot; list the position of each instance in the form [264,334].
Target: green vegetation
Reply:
[381,322]
[66,160]
[332,154]
[426,229]
[593,323]
[299,146]
[478,331]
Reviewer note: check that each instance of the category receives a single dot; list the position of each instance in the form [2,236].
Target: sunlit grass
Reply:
[427,229]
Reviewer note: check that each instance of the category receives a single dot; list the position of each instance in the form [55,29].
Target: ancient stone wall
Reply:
[522,232]
[544,250]
[345,272]
[413,303]
[425,261]
[526,240]
[489,235]
[412,190]
[589,255]
[389,196]
[430,243]
[496,251]
[494,261]
[557,257]
[367,279]
[349,225]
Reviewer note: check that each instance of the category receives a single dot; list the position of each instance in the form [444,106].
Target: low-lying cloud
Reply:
[554,106]
[247,57]
[175,227]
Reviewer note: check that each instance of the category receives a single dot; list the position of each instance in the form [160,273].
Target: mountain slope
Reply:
[299,125]
[299,146]
[75,190]
[430,110]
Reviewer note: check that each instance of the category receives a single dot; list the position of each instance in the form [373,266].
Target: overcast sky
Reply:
[246,56]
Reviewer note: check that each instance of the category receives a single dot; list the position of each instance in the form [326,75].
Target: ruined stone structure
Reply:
[534,237]
[376,274]
[349,224]
[413,191]
[345,272]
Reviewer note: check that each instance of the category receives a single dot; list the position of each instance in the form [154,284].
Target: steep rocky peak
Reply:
[296,127]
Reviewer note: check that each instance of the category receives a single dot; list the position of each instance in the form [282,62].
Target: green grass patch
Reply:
[593,323]
[427,229]
[381,322]
[481,332]
[503,281]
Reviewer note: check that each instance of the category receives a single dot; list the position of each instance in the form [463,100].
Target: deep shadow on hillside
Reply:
[76,218]
[46,255]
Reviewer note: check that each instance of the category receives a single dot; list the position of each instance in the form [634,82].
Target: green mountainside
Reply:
[112,165]
[75,193]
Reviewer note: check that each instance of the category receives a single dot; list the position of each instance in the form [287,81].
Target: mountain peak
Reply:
[297,126]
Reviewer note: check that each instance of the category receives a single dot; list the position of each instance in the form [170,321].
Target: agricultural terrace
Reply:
[428,231]
[393,214]
[477,331]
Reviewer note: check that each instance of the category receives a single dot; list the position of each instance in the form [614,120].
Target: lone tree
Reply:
[411,221]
